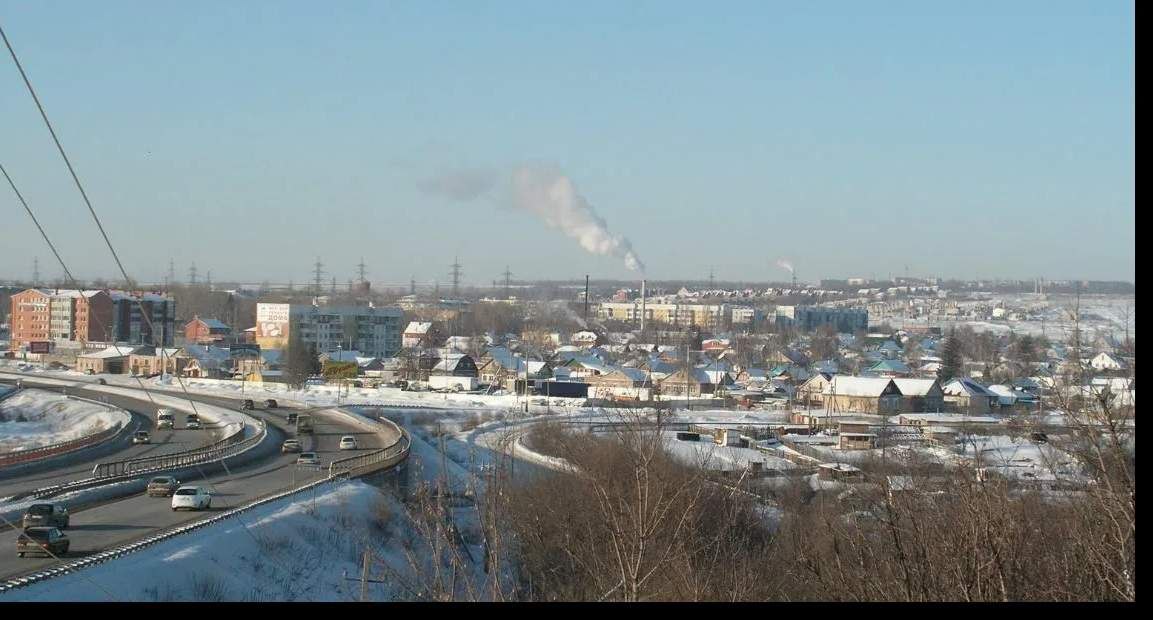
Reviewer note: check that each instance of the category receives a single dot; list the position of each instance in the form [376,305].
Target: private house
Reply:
[1108,362]
[149,361]
[922,394]
[863,395]
[419,334]
[111,360]
[620,383]
[963,395]
[811,393]
[694,382]
[205,331]
[208,362]
[891,368]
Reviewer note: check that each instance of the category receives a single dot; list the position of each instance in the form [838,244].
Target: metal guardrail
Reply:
[64,447]
[224,448]
[362,464]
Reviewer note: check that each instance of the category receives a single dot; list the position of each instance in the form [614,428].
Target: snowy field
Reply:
[33,418]
[308,547]
[1100,315]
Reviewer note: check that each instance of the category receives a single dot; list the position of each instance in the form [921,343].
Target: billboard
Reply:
[272,325]
[40,347]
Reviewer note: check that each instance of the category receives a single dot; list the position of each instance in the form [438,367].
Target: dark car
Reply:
[47,514]
[291,418]
[162,486]
[247,404]
[102,382]
[46,540]
[270,403]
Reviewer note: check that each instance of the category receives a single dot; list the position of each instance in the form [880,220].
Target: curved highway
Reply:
[124,520]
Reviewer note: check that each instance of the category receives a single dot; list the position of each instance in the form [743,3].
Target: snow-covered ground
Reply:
[307,547]
[707,454]
[32,418]
[1019,458]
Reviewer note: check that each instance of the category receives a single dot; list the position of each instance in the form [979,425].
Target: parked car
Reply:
[247,404]
[140,437]
[308,458]
[291,418]
[49,541]
[47,514]
[290,445]
[162,486]
[270,403]
[348,442]
[191,498]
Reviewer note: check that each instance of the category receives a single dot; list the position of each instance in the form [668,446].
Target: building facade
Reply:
[60,315]
[808,318]
[375,332]
[701,315]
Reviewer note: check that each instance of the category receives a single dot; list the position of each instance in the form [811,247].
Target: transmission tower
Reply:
[35,271]
[171,273]
[412,285]
[361,271]
[507,280]
[318,277]
[333,285]
[192,275]
[712,279]
[455,274]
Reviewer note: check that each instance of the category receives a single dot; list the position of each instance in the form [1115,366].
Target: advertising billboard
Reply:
[40,347]
[272,325]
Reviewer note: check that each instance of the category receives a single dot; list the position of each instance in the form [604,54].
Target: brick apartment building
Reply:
[74,316]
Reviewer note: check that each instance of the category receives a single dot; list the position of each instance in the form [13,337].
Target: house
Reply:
[455,364]
[694,382]
[149,361]
[838,471]
[1009,396]
[267,367]
[964,395]
[208,362]
[111,360]
[205,331]
[620,382]
[889,368]
[857,441]
[584,339]
[922,394]
[863,395]
[811,393]
[1109,362]
[418,334]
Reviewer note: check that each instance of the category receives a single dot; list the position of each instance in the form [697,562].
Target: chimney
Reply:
[642,306]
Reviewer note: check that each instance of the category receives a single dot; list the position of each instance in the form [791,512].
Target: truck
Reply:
[303,424]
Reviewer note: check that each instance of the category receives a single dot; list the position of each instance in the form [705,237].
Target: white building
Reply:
[373,331]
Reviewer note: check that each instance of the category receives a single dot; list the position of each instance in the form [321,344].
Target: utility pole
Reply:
[318,275]
[455,274]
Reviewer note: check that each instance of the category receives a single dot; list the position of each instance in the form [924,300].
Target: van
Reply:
[165,418]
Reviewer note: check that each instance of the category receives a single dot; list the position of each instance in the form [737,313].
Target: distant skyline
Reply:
[975,141]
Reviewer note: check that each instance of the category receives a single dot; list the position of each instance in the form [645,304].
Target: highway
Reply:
[130,518]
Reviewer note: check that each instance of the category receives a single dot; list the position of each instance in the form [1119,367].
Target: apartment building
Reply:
[701,315]
[808,318]
[70,316]
[375,332]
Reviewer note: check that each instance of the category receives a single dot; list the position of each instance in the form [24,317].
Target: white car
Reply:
[192,424]
[308,458]
[191,498]
[348,442]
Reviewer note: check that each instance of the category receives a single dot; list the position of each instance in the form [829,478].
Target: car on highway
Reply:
[308,458]
[348,442]
[165,418]
[46,514]
[140,437]
[191,498]
[290,445]
[291,418]
[270,403]
[192,424]
[49,541]
[162,486]
[247,404]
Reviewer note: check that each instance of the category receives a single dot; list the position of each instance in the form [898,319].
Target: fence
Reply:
[230,445]
[384,458]
[65,447]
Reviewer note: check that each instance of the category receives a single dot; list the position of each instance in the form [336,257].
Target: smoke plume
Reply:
[786,265]
[551,196]
[547,193]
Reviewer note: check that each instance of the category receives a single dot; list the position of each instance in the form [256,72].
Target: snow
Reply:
[51,419]
[1019,458]
[724,458]
[306,547]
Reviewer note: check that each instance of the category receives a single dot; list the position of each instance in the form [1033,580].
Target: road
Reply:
[127,519]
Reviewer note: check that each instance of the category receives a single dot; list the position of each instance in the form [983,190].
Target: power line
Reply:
[35,221]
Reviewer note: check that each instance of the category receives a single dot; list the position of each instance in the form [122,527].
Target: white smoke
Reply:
[786,265]
[545,192]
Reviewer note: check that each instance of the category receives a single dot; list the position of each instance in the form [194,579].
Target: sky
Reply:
[949,139]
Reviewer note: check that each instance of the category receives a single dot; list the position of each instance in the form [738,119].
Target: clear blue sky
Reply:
[967,139]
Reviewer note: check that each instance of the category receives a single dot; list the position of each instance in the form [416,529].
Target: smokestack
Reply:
[794,281]
[586,297]
[642,306]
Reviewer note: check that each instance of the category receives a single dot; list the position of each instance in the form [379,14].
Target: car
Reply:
[192,424]
[291,418]
[191,498]
[308,458]
[247,404]
[162,486]
[101,381]
[270,403]
[141,437]
[165,418]
[49,541]
[290,445]
[46,514]
[348,442]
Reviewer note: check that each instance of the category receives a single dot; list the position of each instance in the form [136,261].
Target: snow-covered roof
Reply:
[914,387]
[964,386]
[889,366]
[108,352]
[417,327]
[858,386]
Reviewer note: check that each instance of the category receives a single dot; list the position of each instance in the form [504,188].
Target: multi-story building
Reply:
[701,315]
[373,331]
[63,316]
[808,318]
